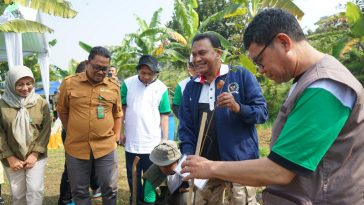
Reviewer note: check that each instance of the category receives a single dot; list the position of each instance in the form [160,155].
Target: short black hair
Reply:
[270,22]
[99,50]
[215,41]
[81,67]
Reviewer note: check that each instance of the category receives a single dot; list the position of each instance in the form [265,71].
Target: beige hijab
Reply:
[21,124]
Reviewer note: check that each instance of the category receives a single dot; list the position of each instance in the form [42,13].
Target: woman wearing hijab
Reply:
[25,126]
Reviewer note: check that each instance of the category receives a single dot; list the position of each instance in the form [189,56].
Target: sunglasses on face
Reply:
[98,68]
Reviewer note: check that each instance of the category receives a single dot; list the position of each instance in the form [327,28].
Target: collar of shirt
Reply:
[224,69]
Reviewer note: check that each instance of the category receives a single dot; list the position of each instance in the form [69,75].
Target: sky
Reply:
[105,23]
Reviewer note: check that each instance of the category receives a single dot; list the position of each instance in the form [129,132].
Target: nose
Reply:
[146,78]
[100,72]
[24,87]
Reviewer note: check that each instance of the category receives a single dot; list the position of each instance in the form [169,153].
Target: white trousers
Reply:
[27,185]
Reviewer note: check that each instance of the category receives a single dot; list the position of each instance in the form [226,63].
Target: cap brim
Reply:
[147,64]
[162,163]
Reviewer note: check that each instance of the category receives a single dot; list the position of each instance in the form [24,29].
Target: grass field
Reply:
[55,166]
[54,172]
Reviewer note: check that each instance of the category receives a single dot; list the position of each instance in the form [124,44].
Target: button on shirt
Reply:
[85,131]
[208,94]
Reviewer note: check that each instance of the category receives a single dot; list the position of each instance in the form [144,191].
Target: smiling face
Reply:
[24,86]
[205,58]
[97,68]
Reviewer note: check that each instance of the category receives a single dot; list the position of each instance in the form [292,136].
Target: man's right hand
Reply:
[15,164]
[122,139]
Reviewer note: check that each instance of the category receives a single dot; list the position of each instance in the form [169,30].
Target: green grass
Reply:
[55,166]
[54,170]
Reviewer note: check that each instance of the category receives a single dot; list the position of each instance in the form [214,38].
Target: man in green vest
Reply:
[317,145]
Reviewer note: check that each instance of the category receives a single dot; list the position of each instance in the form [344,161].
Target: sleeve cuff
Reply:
[39,149]
[165,113]
[6,154]
[299,170]
[117,115]
[243,112]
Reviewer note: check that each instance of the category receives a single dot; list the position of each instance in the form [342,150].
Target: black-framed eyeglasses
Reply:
[256,59]
[98,68]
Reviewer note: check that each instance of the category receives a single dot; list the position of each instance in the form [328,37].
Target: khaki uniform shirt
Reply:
[40,124]
[79,100]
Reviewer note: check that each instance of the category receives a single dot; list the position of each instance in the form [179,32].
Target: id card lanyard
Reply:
[100,109]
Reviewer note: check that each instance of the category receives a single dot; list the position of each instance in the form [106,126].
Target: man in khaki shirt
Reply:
[90,110]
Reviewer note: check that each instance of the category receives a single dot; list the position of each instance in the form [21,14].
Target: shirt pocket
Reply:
[79,98]
[108,100]
[35,126]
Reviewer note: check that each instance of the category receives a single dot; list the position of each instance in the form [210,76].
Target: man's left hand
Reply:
[227,100]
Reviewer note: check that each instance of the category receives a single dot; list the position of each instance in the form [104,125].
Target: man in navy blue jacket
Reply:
[234,102]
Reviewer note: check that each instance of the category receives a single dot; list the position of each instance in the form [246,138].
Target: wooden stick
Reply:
[134,177]
[200,134]
[197,152]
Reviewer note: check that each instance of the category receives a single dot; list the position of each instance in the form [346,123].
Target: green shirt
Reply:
[314,123]
[40,123]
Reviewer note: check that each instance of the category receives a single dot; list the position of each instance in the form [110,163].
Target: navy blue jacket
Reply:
[236,133]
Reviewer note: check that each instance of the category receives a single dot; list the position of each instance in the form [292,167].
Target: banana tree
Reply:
[255,6]
[350,48]
[150,38]
[354,39]
[53,7]
[86,47]
[188,19]
[247,9]
[125,57]
[58,8]
[178,48]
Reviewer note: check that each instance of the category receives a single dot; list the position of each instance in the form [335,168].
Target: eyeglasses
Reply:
[98,68]
[258,64]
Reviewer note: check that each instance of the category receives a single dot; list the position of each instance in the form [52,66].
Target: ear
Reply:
[219,52]
[88,65]
[285,41]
